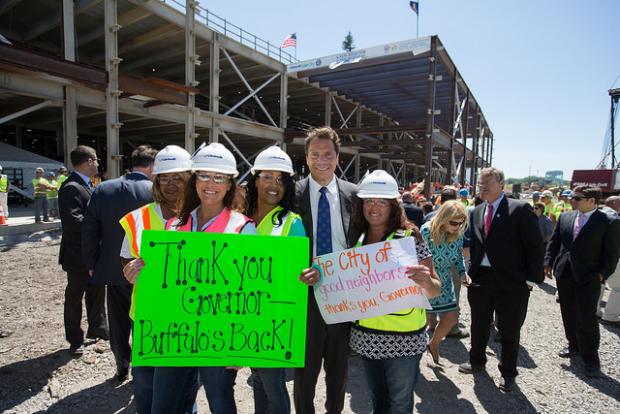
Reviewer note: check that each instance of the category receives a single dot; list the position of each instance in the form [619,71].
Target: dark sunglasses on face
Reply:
[215,178]
[579,198]
[456,223]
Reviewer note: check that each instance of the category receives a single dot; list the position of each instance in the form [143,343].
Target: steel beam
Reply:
[112,60]
[28,110]
[125,19]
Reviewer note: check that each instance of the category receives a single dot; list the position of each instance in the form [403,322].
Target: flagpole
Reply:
[417,22]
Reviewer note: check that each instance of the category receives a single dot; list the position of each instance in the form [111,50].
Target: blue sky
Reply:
[539,69]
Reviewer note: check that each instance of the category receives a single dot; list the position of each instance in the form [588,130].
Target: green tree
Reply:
[347,43]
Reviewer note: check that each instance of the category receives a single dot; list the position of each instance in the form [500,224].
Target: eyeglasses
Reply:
[379,202]
[94,159]
[169,180]
[456,223]
[270,179]
[216,178]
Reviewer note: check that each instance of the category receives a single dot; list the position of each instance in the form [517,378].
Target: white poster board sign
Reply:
[368,281]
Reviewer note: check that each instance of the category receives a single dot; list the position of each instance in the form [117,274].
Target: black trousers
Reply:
[509,300]
[331,344]
[78,287]
[578,303]
[119,301]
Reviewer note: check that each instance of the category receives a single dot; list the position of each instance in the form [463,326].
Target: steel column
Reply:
[214,86]
[474,148]
[328,109]
[191,60]
[69,108]
[283,99]
[432,74]
[452,136]
[464,130]
[112,61]
[357,169]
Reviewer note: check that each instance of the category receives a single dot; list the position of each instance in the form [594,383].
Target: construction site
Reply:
[114,74]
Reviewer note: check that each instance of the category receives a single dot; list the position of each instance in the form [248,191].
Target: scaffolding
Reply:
[117,73]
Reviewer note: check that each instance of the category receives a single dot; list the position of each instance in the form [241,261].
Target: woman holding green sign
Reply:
[270,198]
[171,171]
[392,345]
[207,205]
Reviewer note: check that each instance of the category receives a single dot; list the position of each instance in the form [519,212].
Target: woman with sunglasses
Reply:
[444,236]
[270,196]
[207,205]
[171,171]
[392,345]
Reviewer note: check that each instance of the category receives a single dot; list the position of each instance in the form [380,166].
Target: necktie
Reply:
[580,221]
[489,219]
[323,225]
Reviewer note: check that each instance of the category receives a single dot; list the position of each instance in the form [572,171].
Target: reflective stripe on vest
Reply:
[143,218]
[4,183]
[267,228]
[406,320]
[227,221]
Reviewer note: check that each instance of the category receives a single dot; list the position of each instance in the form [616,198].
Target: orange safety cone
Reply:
[2,218]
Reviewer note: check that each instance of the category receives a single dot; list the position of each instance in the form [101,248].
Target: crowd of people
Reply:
[493,245]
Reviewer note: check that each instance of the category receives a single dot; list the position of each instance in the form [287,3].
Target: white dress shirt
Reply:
[485,260]
[339,240]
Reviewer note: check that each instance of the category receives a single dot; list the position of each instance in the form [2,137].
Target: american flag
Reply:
[290,41]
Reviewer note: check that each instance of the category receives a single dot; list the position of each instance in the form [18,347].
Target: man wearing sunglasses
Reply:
[584,252]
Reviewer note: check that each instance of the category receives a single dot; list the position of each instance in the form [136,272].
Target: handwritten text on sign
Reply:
[368,281]
[207,299]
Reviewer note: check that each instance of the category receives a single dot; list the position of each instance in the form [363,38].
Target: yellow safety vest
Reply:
[143,218]
[53,193]
[406,320]
[4,183]
[267,228]
[61,179]
[36,192]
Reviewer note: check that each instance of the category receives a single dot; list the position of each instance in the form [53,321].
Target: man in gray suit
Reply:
[102,237]
[325,204]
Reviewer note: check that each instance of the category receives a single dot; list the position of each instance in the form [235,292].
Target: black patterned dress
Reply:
[445,256]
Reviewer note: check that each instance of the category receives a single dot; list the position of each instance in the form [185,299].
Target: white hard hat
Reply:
[273,158]
[547,193]
[0,167]
[378,184]
[172,159]
[217,158]
[39,169]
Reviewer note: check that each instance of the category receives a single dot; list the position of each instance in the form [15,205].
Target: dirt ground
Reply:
[38,375]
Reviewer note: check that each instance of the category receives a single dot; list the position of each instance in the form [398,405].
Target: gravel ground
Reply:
[37,374]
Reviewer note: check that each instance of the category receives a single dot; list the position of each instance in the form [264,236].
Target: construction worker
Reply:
[52,195]
[563,205]
[547,199]
[391,346]
[40,188]
[535,198]
[270,199]
[464,196]
[208,205]
[171,171]
[63,174]
[4,193]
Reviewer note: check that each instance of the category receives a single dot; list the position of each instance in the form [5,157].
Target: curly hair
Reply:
[287,203]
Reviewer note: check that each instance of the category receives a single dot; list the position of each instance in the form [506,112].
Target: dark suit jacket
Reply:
[346,192]
[595,250]
[72,200]
[414,214]
[102,235]
[514,246]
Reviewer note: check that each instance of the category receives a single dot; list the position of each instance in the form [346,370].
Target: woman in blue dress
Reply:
[444,236]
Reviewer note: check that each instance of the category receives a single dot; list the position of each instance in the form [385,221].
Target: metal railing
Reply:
[235,32]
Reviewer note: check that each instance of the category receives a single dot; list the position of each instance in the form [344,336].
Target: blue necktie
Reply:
[323,225]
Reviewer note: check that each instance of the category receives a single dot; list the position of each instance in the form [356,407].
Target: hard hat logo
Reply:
[378,184]
[273,159]
[217,158]
[172,159]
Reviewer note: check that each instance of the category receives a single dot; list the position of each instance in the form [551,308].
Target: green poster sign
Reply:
[209,299]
